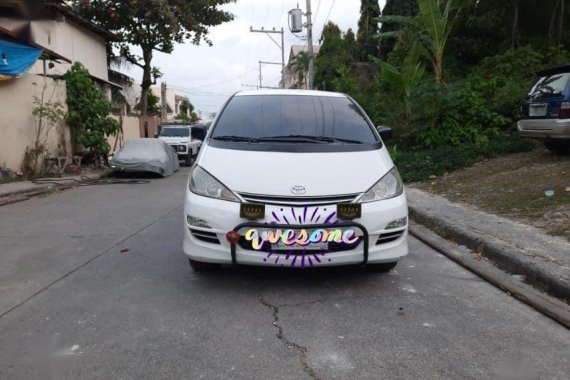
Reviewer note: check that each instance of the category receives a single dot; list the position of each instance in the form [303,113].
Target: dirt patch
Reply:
[514,186]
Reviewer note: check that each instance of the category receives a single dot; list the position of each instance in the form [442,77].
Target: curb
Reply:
[36,190]
[551,307]
[506,257]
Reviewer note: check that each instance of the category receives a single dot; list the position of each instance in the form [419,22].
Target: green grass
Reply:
[419,165]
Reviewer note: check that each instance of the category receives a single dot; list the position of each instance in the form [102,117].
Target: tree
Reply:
[300,65]
[186,106]
[88,112]
[335,52]
[368,29]
[404,8]
[154,25]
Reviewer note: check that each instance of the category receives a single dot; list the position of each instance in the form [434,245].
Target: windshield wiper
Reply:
[309,139]
[236,139]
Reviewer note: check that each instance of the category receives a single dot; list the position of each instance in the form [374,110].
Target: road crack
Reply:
[303,351]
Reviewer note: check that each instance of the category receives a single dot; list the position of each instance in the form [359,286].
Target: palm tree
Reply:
[299,66]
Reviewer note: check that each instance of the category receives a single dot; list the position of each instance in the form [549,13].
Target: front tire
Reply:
[381,268]
[561,147]
[188,160]
[199,266]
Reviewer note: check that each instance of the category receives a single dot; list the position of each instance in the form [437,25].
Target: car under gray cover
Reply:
[146,155]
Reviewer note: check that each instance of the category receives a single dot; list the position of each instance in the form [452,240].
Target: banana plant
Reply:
[405,78]
[430,28]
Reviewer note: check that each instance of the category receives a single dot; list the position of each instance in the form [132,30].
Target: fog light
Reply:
[232,237]
[197,222]
[398,223]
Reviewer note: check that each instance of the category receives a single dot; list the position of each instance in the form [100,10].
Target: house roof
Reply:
[18,14]
[181,97]
[296,49]
[83,22]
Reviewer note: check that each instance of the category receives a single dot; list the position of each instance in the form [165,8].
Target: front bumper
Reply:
[378,245]
[544,128]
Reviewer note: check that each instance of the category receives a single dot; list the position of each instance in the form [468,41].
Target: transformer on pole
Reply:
[296,26]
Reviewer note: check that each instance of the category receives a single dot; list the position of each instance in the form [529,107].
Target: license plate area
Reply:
[300,239]
[251,240]
[537,110]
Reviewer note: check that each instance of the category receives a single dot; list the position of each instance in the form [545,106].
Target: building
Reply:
[295,74]
[62,38]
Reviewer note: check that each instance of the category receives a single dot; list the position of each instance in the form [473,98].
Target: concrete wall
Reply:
[131,130]
[18,125]
[73,42]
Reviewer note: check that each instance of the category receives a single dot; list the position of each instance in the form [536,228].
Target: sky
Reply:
[209,75]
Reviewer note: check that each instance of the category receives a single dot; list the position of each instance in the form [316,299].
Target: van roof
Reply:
[290,92]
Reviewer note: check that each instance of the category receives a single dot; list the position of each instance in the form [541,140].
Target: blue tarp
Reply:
[16,58]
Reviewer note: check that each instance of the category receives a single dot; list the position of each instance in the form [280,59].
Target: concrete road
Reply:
[73,306]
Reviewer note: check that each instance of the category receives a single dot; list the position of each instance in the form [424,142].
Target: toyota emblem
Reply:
[298,190]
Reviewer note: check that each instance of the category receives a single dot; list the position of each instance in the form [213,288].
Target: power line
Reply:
[329,14]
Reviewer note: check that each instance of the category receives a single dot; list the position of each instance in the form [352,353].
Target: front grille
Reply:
[208,237]
[333,247]
[298,201]
[389,237]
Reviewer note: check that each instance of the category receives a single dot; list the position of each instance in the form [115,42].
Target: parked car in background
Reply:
[182,140]
[295,178]
[546,111]
[146,155]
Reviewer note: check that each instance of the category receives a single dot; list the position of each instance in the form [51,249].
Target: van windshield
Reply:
[551,86]
[293,119]
[175,132]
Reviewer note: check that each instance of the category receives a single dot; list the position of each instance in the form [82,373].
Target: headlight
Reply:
[390,186]
[202,183]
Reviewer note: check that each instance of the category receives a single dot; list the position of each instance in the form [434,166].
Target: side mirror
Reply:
[198,132]
[385,132]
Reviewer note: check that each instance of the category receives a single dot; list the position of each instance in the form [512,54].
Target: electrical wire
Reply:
[329,14]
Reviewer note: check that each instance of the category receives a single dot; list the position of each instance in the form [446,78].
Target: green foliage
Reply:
[402,8]
[182,116]
[405,79]
[336,51]
[152,103]
[300,65]
[419,165]
[88,112]
[492,51]
[186,106]
[367,30]
[194,117]
[47,115]
[154,25]
[429,29]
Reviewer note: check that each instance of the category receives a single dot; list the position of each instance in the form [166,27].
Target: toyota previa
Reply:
[294,178]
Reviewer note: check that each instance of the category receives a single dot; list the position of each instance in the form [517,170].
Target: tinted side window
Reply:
[261,116]
[550,86]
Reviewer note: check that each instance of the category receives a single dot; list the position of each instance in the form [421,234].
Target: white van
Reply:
[294,178]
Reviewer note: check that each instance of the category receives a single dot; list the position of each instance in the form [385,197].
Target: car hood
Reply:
[175,140]
[276,173]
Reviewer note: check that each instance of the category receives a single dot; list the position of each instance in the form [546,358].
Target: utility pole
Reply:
[296,25]
[281,46]
[311,74]
[163,101]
